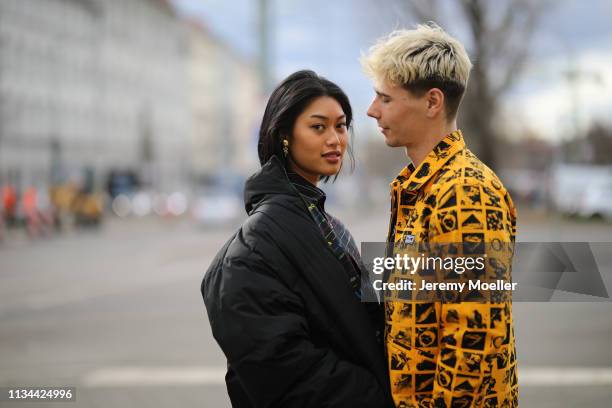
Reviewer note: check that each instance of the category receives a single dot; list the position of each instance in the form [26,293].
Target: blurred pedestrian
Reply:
[30,211]
[283,294]
[9,204]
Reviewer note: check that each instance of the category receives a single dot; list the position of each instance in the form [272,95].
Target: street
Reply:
[117,313]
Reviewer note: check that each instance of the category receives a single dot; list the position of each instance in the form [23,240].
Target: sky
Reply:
[329,38]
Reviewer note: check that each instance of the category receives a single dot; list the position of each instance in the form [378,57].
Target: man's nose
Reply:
[373,111]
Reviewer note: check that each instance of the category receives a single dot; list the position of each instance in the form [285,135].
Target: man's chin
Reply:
[391,143]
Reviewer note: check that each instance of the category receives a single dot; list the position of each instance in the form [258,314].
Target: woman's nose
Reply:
[334,138]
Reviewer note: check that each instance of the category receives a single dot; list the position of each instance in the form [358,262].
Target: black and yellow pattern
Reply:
[451,354]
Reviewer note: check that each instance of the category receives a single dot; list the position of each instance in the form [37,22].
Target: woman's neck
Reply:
[309,177]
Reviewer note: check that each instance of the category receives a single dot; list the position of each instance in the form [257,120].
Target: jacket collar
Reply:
[271,179]
[310,192]
[412,179]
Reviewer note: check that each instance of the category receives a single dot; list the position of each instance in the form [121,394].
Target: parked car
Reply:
[582,190]
[597,200]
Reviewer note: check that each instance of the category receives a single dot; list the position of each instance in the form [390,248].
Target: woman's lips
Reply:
[332,157]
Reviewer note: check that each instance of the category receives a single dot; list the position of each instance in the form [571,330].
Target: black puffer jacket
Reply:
[283,312]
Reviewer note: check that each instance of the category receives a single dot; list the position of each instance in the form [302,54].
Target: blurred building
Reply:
[96,85]
[226,107]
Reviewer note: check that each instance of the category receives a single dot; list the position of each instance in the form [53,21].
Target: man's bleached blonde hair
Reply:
[421,59]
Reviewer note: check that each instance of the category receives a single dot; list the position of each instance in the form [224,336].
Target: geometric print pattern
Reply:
[451,354]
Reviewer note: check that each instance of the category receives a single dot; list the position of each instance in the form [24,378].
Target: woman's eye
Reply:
[318,127]
[386,100]
[341,125]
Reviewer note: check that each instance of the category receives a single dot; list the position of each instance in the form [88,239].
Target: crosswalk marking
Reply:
[215,375]
[154,376]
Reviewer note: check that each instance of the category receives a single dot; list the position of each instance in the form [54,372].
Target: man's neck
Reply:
[418,151]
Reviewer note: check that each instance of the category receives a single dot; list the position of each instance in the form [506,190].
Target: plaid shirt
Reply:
[338,238]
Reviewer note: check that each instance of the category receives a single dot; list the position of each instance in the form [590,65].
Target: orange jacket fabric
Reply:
[451,354]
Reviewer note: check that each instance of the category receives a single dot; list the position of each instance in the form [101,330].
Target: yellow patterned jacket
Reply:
[451,354]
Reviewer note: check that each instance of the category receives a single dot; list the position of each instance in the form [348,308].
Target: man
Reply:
[441,354]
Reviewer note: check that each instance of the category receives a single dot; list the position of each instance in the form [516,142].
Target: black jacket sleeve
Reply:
[260,324]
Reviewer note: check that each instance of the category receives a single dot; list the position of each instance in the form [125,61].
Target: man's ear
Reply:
[435,102]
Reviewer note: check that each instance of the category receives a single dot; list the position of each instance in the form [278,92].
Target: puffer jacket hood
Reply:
[271,179]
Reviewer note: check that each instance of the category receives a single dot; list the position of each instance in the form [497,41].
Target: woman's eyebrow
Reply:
[319,116]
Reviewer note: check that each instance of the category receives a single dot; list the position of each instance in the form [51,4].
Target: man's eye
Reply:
[386,100]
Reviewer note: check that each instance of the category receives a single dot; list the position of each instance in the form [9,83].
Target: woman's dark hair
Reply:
[287,102]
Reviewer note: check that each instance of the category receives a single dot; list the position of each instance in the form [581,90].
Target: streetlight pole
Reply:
[264,44]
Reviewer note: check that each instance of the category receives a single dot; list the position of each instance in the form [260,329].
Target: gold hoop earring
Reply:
[285,147]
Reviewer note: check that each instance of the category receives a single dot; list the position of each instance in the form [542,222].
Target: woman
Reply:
[283,294]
